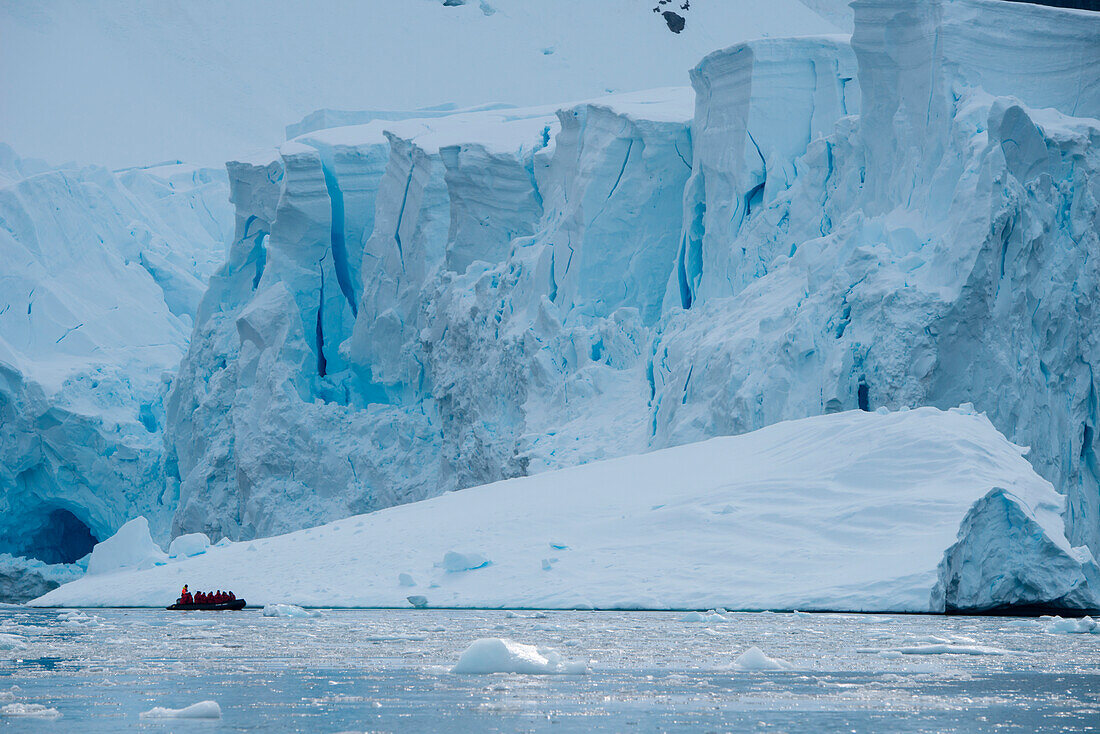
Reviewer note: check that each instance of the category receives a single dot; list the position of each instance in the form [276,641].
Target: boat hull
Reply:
[225,606]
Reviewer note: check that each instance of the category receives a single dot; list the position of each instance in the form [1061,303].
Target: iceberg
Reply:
[130,547]
[494,655]
[852,511]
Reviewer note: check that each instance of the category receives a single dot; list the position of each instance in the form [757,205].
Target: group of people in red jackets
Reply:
[205,597]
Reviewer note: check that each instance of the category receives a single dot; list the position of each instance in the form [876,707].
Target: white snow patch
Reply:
[454,561]
[496,655]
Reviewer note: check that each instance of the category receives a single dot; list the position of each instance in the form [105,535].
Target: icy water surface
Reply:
[389,671]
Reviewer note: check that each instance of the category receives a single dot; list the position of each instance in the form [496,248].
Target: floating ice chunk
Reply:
[32,710]
[418,601]
[78,620]
[516,615]
[405,579]
[939,649]
[1083,625]
[547,564]
[557,545]
[289,611]
[12,642]
[495,655]
[711,616]
[223,543]
[754,659]
[1026,624]
[454,561]
[131,547]
[192,544]
[200,710]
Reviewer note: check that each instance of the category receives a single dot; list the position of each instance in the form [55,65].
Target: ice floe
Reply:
[496,655]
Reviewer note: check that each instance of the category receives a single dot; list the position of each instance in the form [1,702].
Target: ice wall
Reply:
[387,277]
[423,305]
[931,251]
[101,276]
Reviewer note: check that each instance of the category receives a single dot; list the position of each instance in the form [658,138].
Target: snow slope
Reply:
[101,276]
[850,511]
[127,82]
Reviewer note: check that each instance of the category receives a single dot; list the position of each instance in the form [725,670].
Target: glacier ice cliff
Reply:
[904,217]
[898,219]
[102,273]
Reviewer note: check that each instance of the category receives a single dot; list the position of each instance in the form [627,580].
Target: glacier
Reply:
[102,274]
[410,305]
[825,224]
[853,511]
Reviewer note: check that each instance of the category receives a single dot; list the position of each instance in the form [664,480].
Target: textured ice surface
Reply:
[131,547]
[848,511]
[190,544]
[288,611]
[101,276]
[22,578]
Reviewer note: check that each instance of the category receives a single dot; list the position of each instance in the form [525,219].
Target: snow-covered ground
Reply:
[909,511]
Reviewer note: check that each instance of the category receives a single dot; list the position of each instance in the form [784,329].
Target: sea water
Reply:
[389,670]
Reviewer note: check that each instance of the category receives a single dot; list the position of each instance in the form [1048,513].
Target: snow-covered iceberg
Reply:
[853,511]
